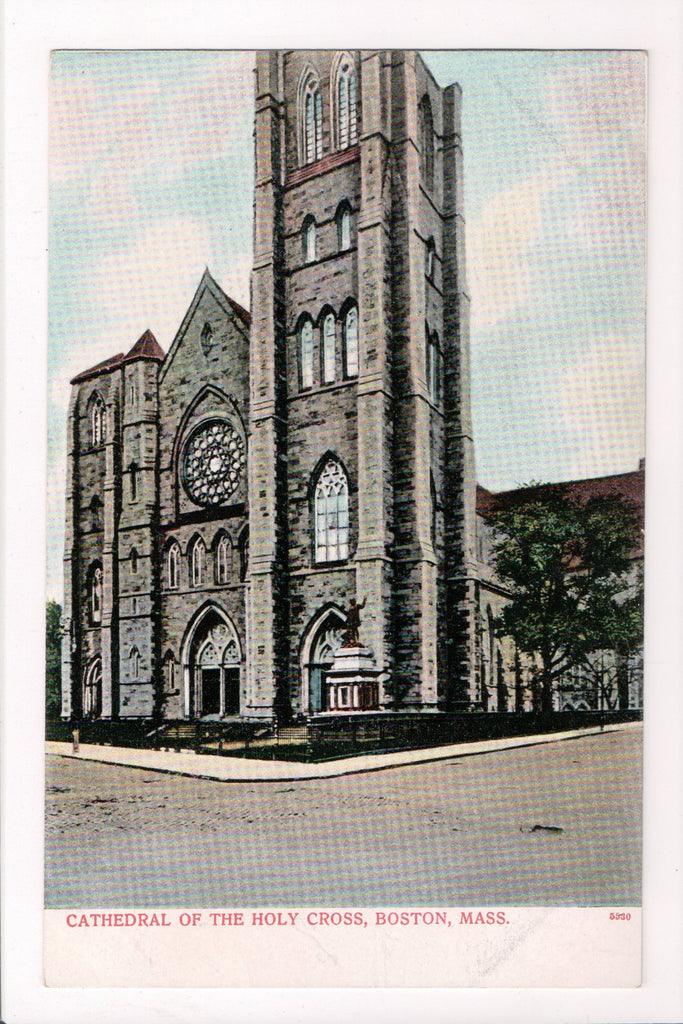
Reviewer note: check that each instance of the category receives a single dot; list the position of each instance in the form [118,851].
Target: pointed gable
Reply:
[236,313]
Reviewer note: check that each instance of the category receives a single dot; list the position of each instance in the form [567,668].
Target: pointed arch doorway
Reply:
[212,660]
[322,638]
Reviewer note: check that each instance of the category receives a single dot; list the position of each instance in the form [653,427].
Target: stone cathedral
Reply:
[226,501]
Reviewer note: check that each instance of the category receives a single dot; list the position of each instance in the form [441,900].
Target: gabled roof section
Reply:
[146,347]
[629,486]
[238,314]
[99,369]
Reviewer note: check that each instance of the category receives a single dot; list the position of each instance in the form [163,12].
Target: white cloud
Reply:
[500,244]
[124,126]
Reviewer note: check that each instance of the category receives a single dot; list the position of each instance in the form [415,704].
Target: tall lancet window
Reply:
[308,240]
[95,594]
[98,424]
[332,514]
[173,566]
[310,120]
[343,219]
[351,342]
[345,103]
[329,338]
[223,559]
[197,560]
[306,354]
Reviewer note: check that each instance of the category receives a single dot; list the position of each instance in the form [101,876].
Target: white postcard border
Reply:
[31,29]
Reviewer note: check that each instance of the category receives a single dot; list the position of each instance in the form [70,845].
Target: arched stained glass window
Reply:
[344,101]
[98,423]
[223,559]
[197,562]
[310,119]
[329,346]
[347,107]
[173,566]
[306,354]
[351,342]
[332,514]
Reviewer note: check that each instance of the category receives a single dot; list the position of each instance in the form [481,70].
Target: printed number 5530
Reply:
[619,916]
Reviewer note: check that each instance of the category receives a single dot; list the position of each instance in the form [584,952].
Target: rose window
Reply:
[213,462]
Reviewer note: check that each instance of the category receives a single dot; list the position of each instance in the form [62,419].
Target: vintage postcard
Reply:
[346,519]
[347,682]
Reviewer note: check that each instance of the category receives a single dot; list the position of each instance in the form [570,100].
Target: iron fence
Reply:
[326,737]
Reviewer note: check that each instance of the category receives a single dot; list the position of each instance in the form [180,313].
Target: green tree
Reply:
[568,571]
[53,660]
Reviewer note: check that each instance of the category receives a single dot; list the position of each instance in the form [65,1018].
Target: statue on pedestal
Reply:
[351,634]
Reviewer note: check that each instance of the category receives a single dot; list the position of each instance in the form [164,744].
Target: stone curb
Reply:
[234,769]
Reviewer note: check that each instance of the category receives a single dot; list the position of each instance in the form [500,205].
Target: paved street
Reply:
[555,824]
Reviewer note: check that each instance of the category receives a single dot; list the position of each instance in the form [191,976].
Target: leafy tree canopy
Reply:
[569,574]
[53,660]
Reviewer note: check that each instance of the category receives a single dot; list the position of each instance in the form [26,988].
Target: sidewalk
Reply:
[239,769]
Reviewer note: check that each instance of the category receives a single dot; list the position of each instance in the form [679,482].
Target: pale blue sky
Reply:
[151,175]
